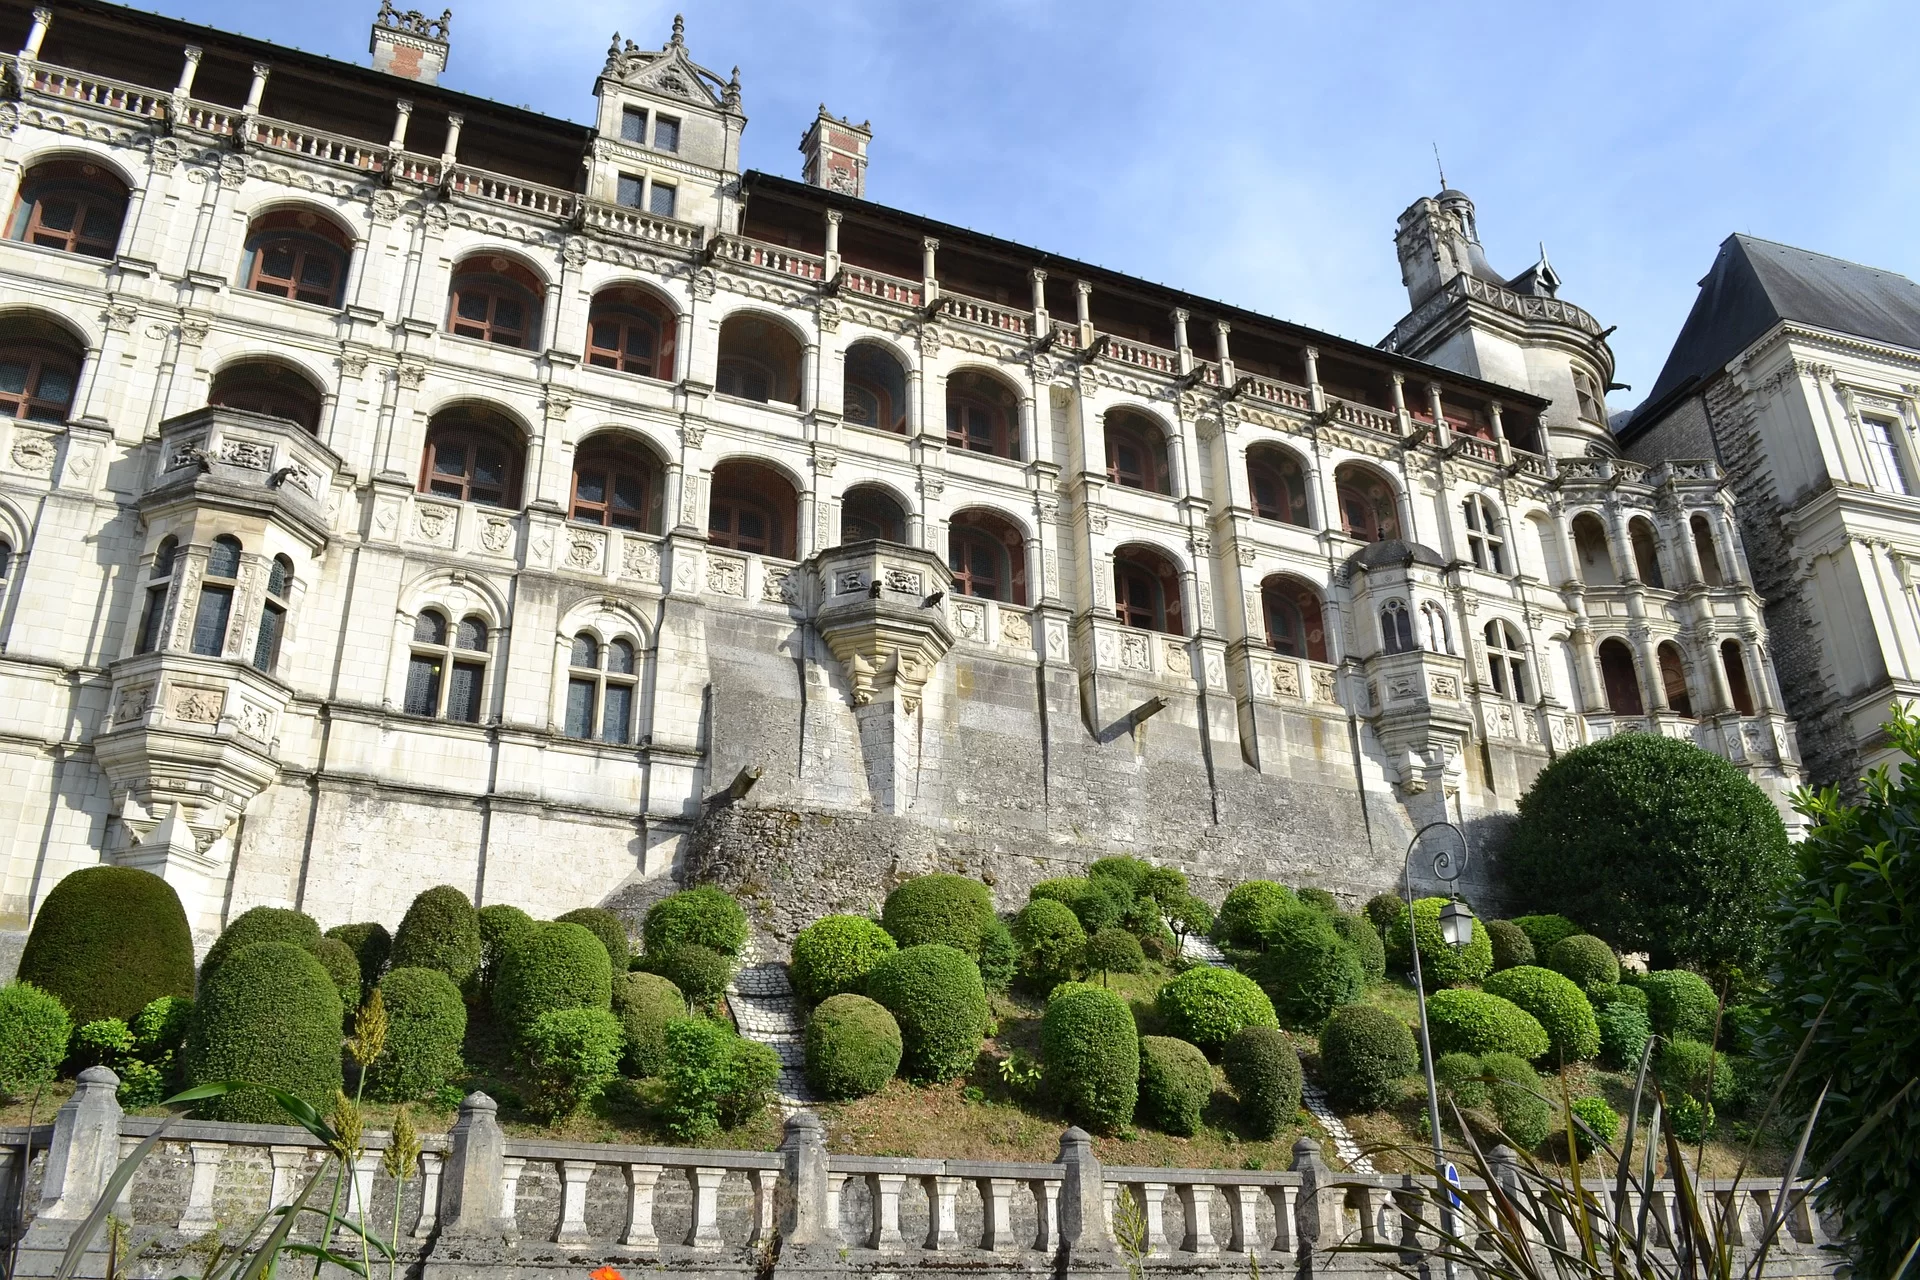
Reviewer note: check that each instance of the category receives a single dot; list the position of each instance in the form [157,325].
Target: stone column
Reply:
[1083,296]
[1626,568]
[996,1214]
[36,34]
[574,1175]
[803,1210]
[1196,1205]
[943,1199]
[883,1192]
[929,281]
[473,1195]
[1318,1214]
[1185,352]
[1316,394]
[1042,322]
[704,1233]
[641,1179]
[1655,683]
[1223,353]
[431,1162]
[1083,1225]
[834,217]
[197,1218]
[80,1163]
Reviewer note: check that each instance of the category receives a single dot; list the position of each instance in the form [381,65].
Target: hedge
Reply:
[832,955]
[1621,993]
[1359,933]
[1095,905]
[1090,1051]
[645,1003]
[853,1047]
[269,1015]
[1364,1052]
[1176,1080]
[706,916]
[714,1078]
[1556,1003]
[1248,904]
[426,1025]
[1264,1070]
[1693,1068]
[500,924]
[337,958]
[1511,945]
[570,1056]
[1624,1032]
[1461,1077]
[259,924]
[371,945]
[1441,964]
[554,966]
[1476,1022]
[107,941]
[1052,943]
[34,1030]
[1525,1116]
[934,992]
[1308,969]
[1206,1006]
[1680,1004]
[161,1027]
[944,910]
[1584,960]
[1115,951]
[1545,930]
[440,931]
[700,972]
[609,928]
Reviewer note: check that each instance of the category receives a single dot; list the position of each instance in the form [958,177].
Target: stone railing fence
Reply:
[480,1201]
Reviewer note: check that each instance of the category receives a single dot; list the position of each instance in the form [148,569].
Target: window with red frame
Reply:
[1136,454]
[471,463]
[980,415]
[299,255]
[495,300]
[1295,625]
[614,488]
[270,389]
[740,522]
[629,332]
[1279,488]
[1146,594]
[1367,507]
[37,382]
[988,558]
[69,206]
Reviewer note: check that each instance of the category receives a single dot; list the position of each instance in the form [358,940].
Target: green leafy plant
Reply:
[372,947]
[832,955]
[1358,932]
[1545,929]
[1624,1032]
[853,1047]
[1188,916]
[1052,942]
[570,1056]
[701,973]
[1264,1069]
[270,1015]
[1511,945]
[1599,1125]
[949,910]
[1364,1054]
[1462,1079]
[1176,1080]
[1021,1073]
[1585,961]
[1513,1087]
[1114,951]
[609,928]
[1205,1006]
[645,1003]
[554,966]
[1308,970]
[714,1078]
[1382,910]
[1243,915]
[1479,1022]
[441,930]
[1441,963]
[500,924]
[706,916]
[999,958]
[1091,1049]
[106,941]
[255,925]
[1097,905]
[1557,1004]
[1680,1004]
[337,958]
[426,1025]
[935,994]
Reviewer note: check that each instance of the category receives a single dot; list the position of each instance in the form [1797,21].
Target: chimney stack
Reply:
[836,154]
[409,44]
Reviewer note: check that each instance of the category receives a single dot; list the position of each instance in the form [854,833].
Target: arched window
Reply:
[601,686]
[1703,546]
[1367,509]
[1590,548]
[1506,661]
[6,568]
[988,557]
[982,415]
[71,206]
[759,360]
[297,254]
[260,386]
[1137,452]
[445,679]
[752,509]
[1735,664]
[495,300]
[1621,678]
[1435,635]
[217,587]
[632,331]
[273,615]
[1673,679]
[868,511]
[1546,543]
[616,485]
[1279,486]
[875,389]
[472,456]
[1646,551]
[1296,625]
[1396,628]
[154,614]
[1484,542]
[1146,590]
[37,379]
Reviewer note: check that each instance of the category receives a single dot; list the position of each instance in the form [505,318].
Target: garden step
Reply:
[767,1013]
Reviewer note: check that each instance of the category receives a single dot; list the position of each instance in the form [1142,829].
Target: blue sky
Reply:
[1259,153]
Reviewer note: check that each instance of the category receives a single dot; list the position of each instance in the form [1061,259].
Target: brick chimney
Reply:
[409,44]
[836,154]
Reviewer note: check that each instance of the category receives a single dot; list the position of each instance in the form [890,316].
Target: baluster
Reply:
[996,1214]
[834,1182]
[430,1164]
[1804,1220]
[883,1189]
[1196,1206]
[943,1203]
[1151,1197]
[1046,1214]
[574,1175]
[641,1179]
[197,1219]
[286,1165]
[1286,1200]
[123,1207]
[1243,1204]
[1359,1200]
[705,1231]
[763,1182]
[359,1196]
[510,1189]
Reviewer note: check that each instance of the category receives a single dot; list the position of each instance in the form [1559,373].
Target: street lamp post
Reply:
[1456,928]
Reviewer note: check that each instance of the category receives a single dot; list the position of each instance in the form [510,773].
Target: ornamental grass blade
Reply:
[267,1256]
[298,1108]
[83,1235]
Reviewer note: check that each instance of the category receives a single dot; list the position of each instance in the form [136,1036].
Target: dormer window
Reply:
[666,133]
[633,125]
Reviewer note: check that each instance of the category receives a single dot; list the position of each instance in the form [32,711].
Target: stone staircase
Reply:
[766,1011]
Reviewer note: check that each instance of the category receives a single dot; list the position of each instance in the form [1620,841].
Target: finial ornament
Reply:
[415,22]
[679,30]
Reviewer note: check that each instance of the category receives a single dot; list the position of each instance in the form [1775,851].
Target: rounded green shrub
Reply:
[371,945]
[714,1078]
[1441,965]
[259,924]
[1620,993]
[269,1015]
[570,1056]
[1358,932]
[104,1042]
[426,1025]
[1525,1115]
[500,924]
[999,959]
[1308,970]
[1680,1004]
[1115,951]
[706,916]
[161,1027]
[1624,1032]
[1167,886]
[34,1030]
[1562,1012]
[947,910]
[1242,917]
[934,992]
[1364,1053]
[1693,1068]
[1478,1022]
[1176,1080]
[1692,1119]
[1052,943]
[606,926]
[441,930]
[1205,1006]
[701,973]
[645,1003]
[1462,1078]
[853,1047]
[832,955]
[1602,1124]
[1264,1070]
[1319,899]
[1096,905]
[1382,910]
[1585,961]
[1128,874]
[106,941]
[1090,1051]
[337,958]
[553,966]
[1511,945]
[1546,929]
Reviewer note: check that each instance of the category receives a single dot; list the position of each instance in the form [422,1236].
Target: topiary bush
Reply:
[831,956]
[1242,916]
[426,1025]
[1624,1032]
[1511,945]
[1692,1119]
[645,1003]
[706,916]
[1205,1006]
[106,941]
[500,924]
[259,924]
[1364,1053]
[1308,970]
[1680,1004]
[1264,1070]
[1176,1080]
[1358,932]
[1602,1125]
[441,930]
[1657,845]
[1693,1068]
[161,1027]
[934,992]
[569,1056]
[609,928]
[1382,910]
[700,972]
[1097,906]
[1461,1077]
[1090,1052]
[1556,1003]
[1052,943]
[371,945]
[337,958]
[553,966]
[1321,900]
[714,1078]
[1621,993]
[1585,961]
[1545,930]
[947,910]
[1525,1115]
[1127,874]
[1441,965]
[853,1047]
[34,1030]
[269,1015]
[999,958]
[1115,951]
[1481,1023]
